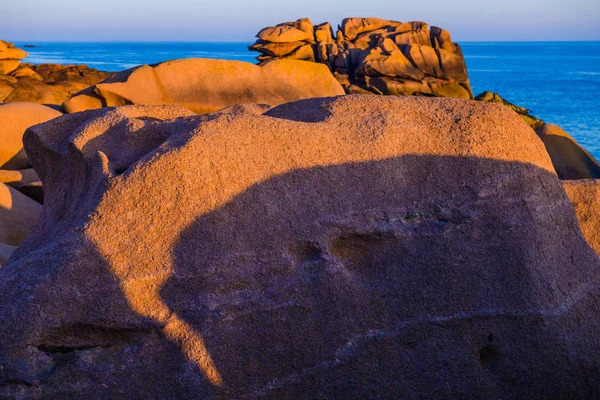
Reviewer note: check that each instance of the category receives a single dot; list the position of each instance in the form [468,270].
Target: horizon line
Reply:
[245,42]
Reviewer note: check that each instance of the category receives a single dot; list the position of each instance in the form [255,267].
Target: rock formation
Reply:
[208,85]
[374,55]
[15,118]
[25,181]
[48,83]
[44,83]
[585,196]
[18,216]
[10,57]
[570,160]
[355,247]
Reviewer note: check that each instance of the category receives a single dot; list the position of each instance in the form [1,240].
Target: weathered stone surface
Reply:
[585,196]
[411,54]
[524,113]
[19,177]
[297,31]
[27,72]
[47,83]
[5,253]
[207,85]
[18,216]
[358,247]
[15,118]
[9,57]
[9,51]
[25,181]
[8,66]
[570,160]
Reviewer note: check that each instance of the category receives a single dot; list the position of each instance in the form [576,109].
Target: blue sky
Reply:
[239,20]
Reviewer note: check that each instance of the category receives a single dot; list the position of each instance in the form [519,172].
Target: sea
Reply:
[558,82]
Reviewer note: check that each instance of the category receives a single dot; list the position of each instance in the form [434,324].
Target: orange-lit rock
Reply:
[329,248]
[46,83]
[10,57]
[25,181]
[570,160]
[18,215]
[585,196]
[411,58]
[207,85]
[15,118]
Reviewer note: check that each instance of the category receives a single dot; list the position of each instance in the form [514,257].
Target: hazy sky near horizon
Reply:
[239,20]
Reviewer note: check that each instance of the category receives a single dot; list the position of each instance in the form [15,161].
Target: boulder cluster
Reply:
[220,230]
[44,83]
[374,55]
[10,57]
[21,192]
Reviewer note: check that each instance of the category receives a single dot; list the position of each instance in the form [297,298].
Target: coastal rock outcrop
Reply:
[208,85]
[570,160]
[352,247]
[15,118]
[10,57]
[524,113]
[48,83]
[585,196]
[44,83]
[372,55]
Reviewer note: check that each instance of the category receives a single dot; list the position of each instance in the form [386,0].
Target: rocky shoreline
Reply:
[294,229]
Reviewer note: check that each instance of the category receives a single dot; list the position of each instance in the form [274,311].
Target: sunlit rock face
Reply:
[208,85]
[585,196]
[374,55]
[44,83]
[354,247]
[10,57]
[571,161]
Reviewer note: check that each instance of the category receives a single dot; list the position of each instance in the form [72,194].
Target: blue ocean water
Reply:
[558,81]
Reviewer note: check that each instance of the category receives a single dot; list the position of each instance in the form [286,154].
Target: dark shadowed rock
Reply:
[356,247]
[374,55]
[207,85]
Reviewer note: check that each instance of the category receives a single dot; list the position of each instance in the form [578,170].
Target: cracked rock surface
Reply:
[351,247]
[373,55]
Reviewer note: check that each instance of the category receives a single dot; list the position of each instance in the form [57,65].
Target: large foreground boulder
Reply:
[372,55]
[350,248]
[15,118]
[207,85]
